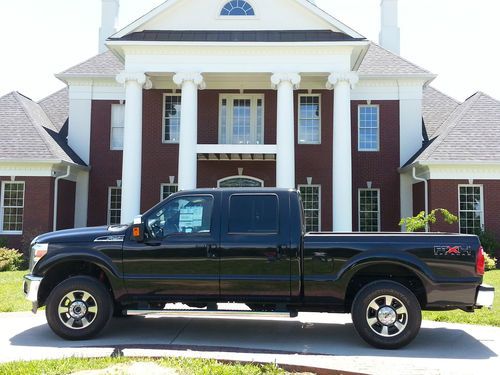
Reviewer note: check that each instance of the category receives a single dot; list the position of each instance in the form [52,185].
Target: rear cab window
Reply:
[257,213]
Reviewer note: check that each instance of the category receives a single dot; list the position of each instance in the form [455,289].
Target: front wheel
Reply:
[386,314]
[79,308]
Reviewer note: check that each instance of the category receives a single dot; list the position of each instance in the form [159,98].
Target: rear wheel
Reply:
[78,308]
[386,314]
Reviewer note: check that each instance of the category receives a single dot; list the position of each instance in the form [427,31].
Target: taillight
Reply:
[480,261]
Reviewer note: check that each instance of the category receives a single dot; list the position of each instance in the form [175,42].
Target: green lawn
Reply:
[11,292]
[182,365]
[480,317]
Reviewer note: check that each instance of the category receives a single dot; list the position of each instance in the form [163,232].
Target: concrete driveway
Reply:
[326,341]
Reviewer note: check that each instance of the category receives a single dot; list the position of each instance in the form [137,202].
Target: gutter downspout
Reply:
[426,192]
[56,195]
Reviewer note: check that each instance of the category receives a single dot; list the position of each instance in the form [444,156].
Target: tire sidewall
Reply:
[93,287]
[378,288]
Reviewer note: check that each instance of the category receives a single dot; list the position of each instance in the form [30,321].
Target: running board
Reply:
[188,313]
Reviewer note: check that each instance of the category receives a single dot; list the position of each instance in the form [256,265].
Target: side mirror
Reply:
[138,229]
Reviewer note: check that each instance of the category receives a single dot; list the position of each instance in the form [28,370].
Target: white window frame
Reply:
[109,203]
[163,117]
[378,209]
[377,149]
[111,147]
[299,118]
[238,176]
[481,193]
[253,115]
[2,207]
[163,186]
[319,202]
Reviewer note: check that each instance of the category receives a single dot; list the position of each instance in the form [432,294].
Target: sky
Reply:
[456,39]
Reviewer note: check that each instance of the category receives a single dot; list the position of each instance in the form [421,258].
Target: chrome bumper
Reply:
[31,286]
[485,296]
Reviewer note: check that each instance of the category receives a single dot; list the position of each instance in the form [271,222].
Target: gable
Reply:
[205,15]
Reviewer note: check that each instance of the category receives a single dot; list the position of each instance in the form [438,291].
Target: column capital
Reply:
[141,78]
[196,78]
[350,77]
[293,78]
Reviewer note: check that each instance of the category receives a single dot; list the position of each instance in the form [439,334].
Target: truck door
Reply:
[179,256]
[255,257]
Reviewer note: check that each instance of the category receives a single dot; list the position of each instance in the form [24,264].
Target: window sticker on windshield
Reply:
[190,217]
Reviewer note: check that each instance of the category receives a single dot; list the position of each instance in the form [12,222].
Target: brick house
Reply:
[236,96]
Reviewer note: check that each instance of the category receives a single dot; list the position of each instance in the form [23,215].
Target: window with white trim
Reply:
[237,8]
[311,200]
[241,119]
[114,205]
[471,208]
[12,207]
[117,126]
[369,210]
[168,189]
[171,117]
[309,119]
[239,182]
[368,128]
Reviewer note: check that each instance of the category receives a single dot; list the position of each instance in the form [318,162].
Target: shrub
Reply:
[419,222]
[10,259]
[488,241]
[490,263]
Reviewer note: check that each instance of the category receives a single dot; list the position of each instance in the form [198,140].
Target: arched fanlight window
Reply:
[237,8]
[240,182]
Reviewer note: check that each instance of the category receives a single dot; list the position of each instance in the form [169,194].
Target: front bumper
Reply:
[485,296]
[31,286]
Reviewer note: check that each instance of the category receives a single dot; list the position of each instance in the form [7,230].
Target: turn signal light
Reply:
[480,261]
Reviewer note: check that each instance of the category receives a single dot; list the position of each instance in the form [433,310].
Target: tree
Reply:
[422,221]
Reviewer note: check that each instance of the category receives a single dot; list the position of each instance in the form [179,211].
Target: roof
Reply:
[380,62]
[436,108]
[56,106]
[471,133]
[104,64]
[237,36]
[29,134]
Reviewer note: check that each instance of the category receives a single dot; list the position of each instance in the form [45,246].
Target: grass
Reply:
[480,317]
[185,366]
[11,292]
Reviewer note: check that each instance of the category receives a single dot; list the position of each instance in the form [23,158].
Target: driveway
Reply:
[320,340]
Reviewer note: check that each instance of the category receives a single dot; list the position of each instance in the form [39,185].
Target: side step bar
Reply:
[195,313]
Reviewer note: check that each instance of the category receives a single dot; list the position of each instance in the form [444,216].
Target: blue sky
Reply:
[456,39]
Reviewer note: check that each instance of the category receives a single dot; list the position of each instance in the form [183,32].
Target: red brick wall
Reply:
[418,198]
[209,172]
[66,204]
[38,208]
[379,167]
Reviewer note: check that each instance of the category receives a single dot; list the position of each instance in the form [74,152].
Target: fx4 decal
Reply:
[452,251]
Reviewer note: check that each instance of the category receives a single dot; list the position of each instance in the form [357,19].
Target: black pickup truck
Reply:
[249,246]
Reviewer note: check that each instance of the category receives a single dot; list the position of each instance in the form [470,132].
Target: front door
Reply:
[179,256]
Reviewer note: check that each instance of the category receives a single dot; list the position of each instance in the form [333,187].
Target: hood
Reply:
[81,234]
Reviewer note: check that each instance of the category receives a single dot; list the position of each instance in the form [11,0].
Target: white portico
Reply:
[321,53]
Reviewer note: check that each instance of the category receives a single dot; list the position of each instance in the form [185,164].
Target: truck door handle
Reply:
[210,252]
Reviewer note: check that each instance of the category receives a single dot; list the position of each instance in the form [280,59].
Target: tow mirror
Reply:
[138,229]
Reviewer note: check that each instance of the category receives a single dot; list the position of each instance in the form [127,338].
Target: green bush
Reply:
[490,263]
[488,241]
[420,221]
[10,259]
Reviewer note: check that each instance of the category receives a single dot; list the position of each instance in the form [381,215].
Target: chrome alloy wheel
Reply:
[387,316]
[77,309]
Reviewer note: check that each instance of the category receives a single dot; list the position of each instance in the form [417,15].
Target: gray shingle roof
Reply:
[436,108]
[56,106]
[470,134]
[104,64]
[381,62]
[27,133]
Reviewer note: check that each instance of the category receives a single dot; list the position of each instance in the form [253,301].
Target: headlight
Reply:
[38,250]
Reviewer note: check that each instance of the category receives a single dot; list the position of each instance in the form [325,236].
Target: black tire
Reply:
[89,308]
[387,315]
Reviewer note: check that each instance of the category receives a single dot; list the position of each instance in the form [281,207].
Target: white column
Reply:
[285,83]
[188,137]
[81,199]
[342,161]
[132,143]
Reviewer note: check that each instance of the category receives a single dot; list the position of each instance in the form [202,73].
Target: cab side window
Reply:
[183,215]
[253,213]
